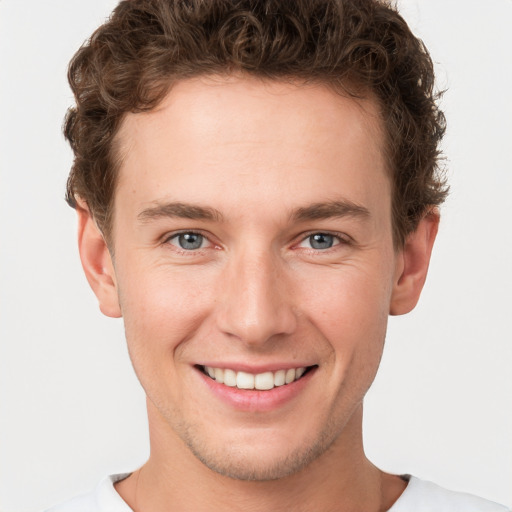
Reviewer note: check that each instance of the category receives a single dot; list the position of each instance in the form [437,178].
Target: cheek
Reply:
[348,295]
[162,310]
[355,326]
[162,307]
[351,312]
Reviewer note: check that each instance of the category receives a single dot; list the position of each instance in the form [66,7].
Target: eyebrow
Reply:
[331,209]
[180,210]
[315,211]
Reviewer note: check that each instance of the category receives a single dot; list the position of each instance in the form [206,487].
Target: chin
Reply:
[246,467]
[264,461]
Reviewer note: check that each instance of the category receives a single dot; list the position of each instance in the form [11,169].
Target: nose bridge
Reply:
[256,303]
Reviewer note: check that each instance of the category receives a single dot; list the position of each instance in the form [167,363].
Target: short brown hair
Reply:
[361,47]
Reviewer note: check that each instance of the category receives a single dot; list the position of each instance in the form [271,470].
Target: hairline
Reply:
[345,88]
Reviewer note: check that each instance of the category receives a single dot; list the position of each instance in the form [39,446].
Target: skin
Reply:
[258,158]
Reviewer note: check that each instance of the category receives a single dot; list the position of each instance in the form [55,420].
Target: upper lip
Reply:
[256,369]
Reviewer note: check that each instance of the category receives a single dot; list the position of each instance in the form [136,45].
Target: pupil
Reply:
[190,241]
[321,241]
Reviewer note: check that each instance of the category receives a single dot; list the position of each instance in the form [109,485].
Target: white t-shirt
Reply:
[419,496]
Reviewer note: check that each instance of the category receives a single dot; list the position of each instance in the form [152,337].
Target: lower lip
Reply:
[254,400]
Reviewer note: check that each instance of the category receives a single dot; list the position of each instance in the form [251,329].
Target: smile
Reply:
[261,381]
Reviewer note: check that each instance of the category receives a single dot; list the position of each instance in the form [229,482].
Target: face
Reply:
[254,267]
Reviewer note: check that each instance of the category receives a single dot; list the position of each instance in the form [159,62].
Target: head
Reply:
[358,48]
[265,174]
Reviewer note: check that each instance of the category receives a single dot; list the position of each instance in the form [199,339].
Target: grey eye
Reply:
[321,241]
[188,241]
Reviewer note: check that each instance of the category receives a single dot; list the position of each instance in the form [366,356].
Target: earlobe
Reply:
[97,262]
[413,262]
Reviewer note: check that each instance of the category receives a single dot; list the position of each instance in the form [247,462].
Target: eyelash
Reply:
[189,252]
[341,240]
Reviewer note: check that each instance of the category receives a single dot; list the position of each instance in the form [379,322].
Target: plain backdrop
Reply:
[71,409]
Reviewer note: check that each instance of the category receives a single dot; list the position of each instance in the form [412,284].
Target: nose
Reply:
[256,303]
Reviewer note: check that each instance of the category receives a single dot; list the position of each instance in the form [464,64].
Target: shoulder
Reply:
[423,496]
[103,499]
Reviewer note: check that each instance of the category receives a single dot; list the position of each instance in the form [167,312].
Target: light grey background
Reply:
[71,409]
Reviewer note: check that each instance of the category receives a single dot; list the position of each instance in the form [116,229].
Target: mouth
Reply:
[261,381]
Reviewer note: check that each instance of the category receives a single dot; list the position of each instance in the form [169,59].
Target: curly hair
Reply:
[359,47]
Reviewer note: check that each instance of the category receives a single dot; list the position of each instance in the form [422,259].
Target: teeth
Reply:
[290,375]
[261,381]
[280,378]
[230,378]
[219,375]
[264,381]
[244,380]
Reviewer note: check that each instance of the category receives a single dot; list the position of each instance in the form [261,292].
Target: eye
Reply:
[320,241]
[188,241]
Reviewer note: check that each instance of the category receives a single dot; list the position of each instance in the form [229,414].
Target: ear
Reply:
[412,265]
[97,262]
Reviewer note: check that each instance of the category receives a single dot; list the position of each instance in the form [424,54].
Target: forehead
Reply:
[213,137]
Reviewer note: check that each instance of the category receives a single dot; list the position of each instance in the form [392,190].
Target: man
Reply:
[257,186]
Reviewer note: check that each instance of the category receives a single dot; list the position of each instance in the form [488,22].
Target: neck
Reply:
[342,478]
